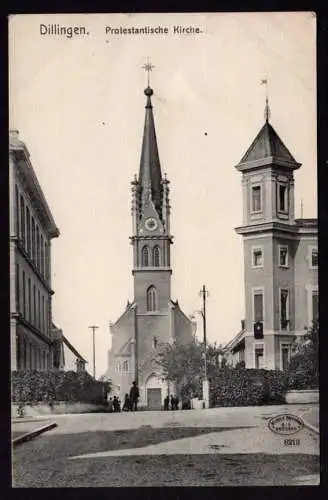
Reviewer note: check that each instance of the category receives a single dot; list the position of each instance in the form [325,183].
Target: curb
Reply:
[311,427]
[28,419]
[32,434]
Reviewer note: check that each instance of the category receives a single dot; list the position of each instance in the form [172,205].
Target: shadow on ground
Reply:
[49,447]
[169,470]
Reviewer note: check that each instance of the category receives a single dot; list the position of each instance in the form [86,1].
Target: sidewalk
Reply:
[29,428]
[238,441]
[312,418]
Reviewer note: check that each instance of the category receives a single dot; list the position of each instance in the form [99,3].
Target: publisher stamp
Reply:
[285,424]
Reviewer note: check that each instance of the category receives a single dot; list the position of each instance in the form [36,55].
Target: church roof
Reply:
[267,143]
[150,175]
[126,349]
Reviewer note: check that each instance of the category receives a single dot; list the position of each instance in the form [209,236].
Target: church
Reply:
[153,318]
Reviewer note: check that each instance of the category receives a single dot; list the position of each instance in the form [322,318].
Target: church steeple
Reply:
[150,175]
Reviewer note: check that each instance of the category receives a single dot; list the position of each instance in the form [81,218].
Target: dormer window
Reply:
[256,198]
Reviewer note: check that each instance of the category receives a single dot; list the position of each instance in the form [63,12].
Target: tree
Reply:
[303,369]
[184,364]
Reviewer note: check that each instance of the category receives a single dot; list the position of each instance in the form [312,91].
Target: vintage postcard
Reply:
[163,249]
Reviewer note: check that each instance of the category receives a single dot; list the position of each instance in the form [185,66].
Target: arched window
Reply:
[156,256]
[125,366]
[145,256]
[118,366]
[151,299]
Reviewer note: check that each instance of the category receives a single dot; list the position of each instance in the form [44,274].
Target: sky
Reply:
[78,104]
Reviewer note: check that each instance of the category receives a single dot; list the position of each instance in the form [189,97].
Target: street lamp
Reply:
[93,328]
[204,293]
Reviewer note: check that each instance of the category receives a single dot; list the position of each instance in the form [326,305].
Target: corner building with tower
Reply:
[280,257]
[153,317]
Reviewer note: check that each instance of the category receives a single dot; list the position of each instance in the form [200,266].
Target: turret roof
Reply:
[266,144]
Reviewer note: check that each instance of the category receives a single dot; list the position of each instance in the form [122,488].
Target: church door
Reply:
[154,399]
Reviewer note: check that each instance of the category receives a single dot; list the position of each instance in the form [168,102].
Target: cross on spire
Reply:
[148,67]
[267,112]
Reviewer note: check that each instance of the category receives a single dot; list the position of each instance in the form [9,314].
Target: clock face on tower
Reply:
[151,224]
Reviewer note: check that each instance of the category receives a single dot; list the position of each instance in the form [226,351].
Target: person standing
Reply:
[166,403]
[127,403]
[110,405]
[115,404]
[172,402]
[134,396]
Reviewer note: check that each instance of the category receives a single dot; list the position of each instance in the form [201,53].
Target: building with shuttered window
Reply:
[32,228]
[280,257]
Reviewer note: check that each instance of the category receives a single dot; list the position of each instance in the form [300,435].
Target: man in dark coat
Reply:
[116,404]
[166,403]
[172,402]
[134,396]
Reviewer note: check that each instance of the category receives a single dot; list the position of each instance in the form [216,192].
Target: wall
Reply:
[305,279]
[261,277]
[59,407]
[70,359]
[35,313]
[183,326]
[158,278]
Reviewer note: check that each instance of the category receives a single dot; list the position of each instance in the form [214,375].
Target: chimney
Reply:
[243,324]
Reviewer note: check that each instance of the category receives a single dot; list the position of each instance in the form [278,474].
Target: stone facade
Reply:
[32,228]
[153,317]
[280,257]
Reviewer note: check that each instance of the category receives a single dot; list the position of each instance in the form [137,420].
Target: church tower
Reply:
[151,238]
[152,318]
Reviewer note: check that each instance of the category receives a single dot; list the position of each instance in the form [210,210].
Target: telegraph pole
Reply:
[204,293]
[94,328]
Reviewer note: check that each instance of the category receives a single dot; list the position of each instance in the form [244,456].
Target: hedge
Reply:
[247,387]
[70,386]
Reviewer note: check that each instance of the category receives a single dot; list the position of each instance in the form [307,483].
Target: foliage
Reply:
[240,364]
[247,387]
[57,385]
[184,364]
[303,369]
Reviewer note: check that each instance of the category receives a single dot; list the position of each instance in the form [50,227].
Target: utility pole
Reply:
[93,328]
[204,293]
[136,371]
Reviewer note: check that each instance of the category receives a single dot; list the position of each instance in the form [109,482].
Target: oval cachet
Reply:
[285,424]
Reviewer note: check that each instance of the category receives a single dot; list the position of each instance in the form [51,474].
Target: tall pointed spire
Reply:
[150,175]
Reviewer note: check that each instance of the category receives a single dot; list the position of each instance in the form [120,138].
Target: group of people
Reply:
[130,401]
[173,402]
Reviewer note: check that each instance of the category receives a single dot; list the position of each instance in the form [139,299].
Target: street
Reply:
[219,446]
